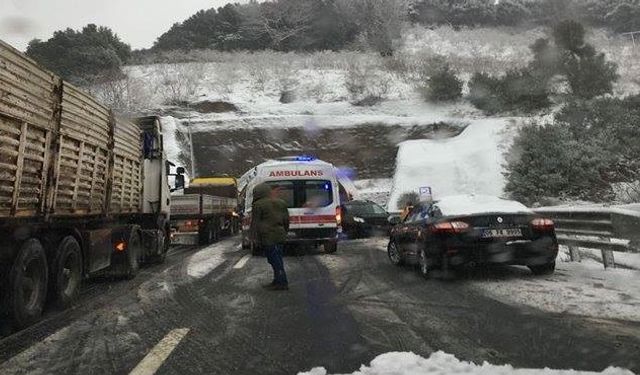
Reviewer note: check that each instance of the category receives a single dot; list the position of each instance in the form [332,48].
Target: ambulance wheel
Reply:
[330,247]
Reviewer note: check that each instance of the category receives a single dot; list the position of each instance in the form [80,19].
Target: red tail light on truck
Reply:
[339,215]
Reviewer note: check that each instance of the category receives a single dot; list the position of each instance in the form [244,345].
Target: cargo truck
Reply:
[206,211]
[81,192]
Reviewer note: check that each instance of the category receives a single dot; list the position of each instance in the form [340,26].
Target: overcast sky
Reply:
[137,22]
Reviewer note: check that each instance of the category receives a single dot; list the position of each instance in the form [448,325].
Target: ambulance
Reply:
[313,193]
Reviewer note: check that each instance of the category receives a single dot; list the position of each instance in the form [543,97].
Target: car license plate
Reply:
[506,232]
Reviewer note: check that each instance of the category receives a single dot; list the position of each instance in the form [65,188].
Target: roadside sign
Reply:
[425,193]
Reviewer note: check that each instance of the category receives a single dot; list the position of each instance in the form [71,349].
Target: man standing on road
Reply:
[269,227]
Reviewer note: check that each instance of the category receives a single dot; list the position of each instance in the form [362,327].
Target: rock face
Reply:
[214,107]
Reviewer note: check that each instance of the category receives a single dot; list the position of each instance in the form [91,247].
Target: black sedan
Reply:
[468,230]
[364,219]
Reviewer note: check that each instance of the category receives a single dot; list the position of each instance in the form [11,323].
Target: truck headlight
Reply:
[358,219]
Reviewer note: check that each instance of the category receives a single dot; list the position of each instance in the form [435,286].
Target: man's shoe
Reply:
[276,287]
[269,286]
[280,287]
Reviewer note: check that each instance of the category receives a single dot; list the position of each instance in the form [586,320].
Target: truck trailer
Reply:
[82,192]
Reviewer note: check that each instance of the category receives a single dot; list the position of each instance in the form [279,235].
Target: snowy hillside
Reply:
[313,95]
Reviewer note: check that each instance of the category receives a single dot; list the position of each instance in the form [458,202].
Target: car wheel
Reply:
[423,264]
[394,253]
[67,272]
[543,269]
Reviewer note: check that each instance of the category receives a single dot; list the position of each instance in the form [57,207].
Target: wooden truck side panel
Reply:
[61,152]
[127,183]
[28,107]
[83,155]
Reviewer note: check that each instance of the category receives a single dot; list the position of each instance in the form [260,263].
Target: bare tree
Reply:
[285,19]
[125,95]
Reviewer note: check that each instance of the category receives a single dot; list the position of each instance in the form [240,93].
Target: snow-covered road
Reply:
[204,311]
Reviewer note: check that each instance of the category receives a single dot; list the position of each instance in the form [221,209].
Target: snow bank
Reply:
[441,363]
[583,288]
[470,163]
[265,112]
[478,204]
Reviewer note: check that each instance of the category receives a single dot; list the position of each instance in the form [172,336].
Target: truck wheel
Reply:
[131,264]
[166,243]
[330,247]
[28,284]
[206,235]
[67,272]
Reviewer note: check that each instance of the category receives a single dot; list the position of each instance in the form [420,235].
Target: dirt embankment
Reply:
[369,149]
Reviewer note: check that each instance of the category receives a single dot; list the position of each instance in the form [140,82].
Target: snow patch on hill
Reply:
[470,163]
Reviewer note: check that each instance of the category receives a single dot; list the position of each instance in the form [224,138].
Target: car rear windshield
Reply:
[305,193]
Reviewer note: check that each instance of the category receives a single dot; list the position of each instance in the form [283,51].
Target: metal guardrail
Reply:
[608,229]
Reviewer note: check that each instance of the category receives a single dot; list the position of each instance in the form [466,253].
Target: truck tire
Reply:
[166,243]
[207,234]
[131,264]
[27,290]
[330,247]
[66,275]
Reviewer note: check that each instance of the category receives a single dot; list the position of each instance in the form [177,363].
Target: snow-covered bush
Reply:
[437,81]
[518,90]
[444,85]
[179,82]
[287,82]
[588,152]
[366,84]
[226,76]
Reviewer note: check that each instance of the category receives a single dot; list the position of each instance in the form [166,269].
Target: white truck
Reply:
[81,191]
[199,216]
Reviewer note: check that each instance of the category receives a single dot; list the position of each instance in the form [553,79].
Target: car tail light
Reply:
[542,224]
[339,215]
[450,227]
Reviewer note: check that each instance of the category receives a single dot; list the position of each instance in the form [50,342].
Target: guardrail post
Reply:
[574,254]
[607,259]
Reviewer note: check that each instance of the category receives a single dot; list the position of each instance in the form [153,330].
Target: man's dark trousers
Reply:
[274,255]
